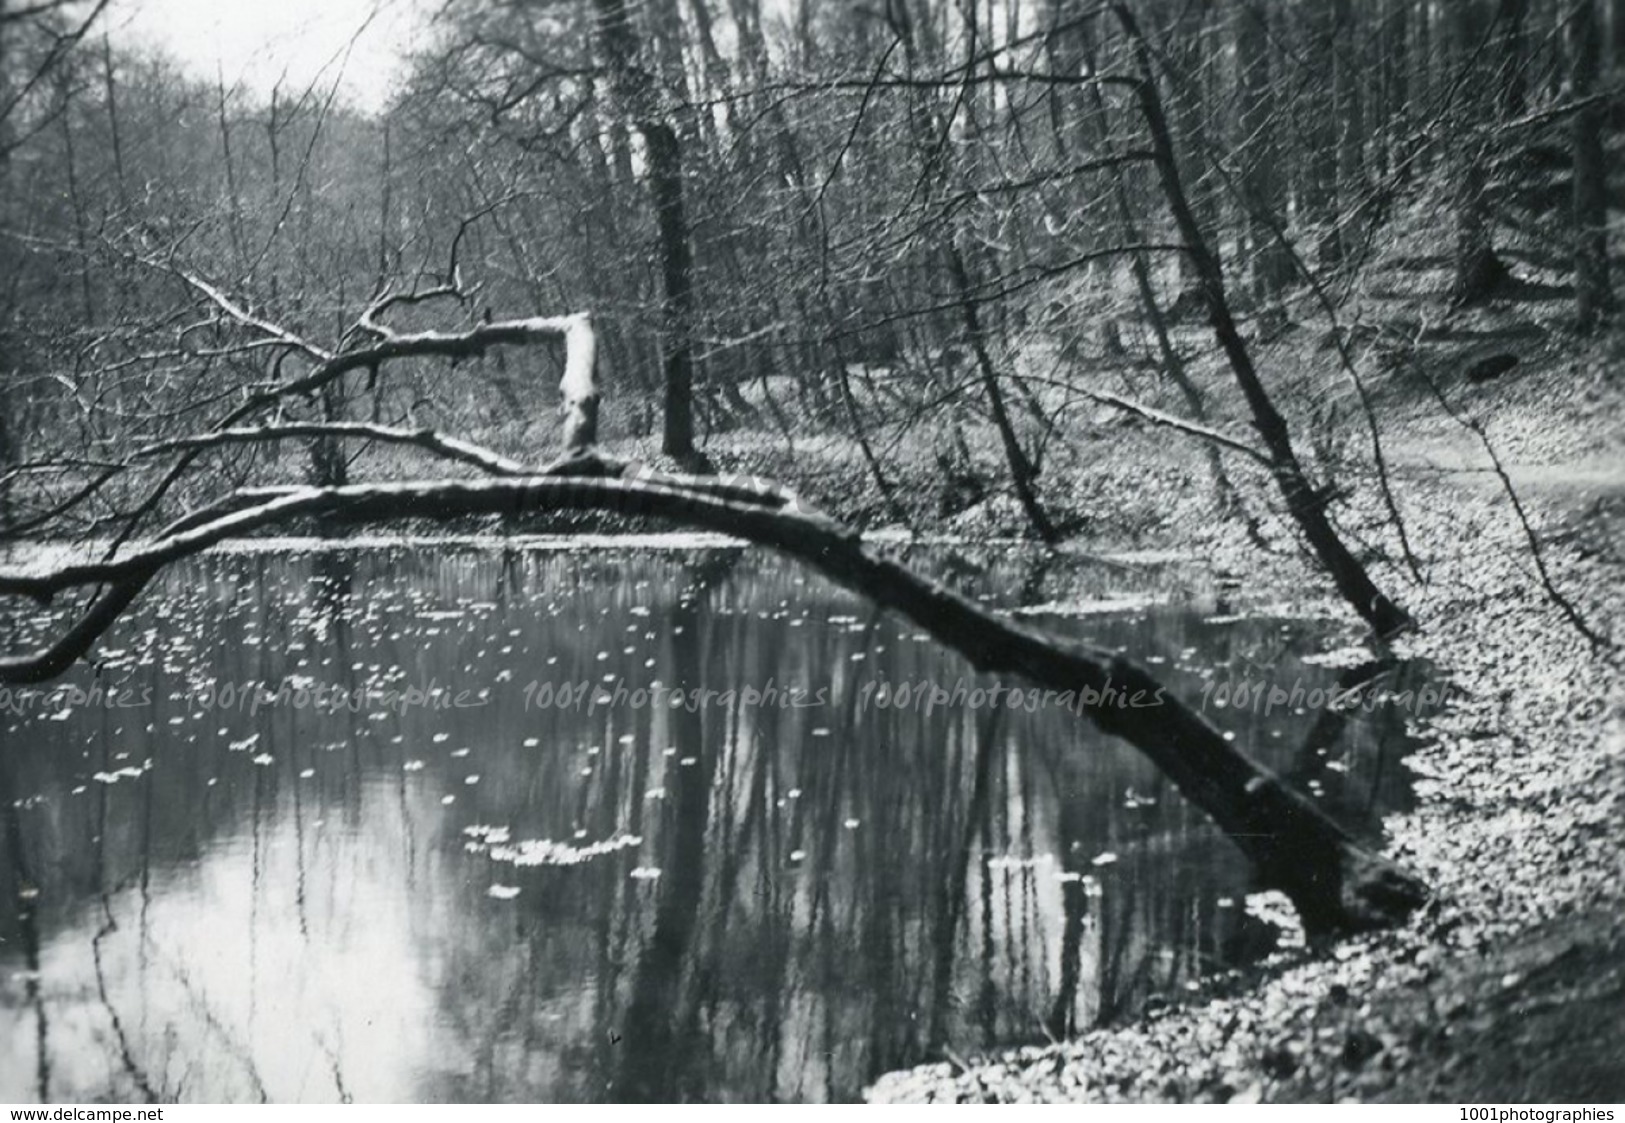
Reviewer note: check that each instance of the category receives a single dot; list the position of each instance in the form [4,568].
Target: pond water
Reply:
[391,824]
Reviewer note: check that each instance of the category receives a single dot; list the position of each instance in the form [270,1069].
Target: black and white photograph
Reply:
[841,552]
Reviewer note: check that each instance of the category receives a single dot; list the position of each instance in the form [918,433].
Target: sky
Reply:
[257,42]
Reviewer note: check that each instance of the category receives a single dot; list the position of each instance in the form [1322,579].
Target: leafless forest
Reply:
[1319,293]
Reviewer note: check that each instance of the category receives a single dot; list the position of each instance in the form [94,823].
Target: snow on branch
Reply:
[449,447]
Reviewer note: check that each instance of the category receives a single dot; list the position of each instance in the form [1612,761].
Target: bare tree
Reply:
[1593,294]
[638,100]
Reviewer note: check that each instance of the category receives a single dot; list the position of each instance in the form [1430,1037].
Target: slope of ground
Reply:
[1508,986]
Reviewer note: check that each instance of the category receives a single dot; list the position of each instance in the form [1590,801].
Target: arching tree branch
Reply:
[1337,884]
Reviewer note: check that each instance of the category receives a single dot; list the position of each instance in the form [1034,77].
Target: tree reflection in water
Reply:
[234,901]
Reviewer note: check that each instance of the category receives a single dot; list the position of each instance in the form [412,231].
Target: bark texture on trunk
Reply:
[1272,269]
[638,98]
[1478,271]
[1593,294]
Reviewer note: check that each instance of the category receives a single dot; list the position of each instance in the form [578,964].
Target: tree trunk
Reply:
[1304,503]
[1478,271]
[329,466]
[1394,119]
[1616,31]
[81,234]
[1348,112]
[1188,42]
[1319,162]
[677,278]
[635,91]
[114,131]
[1261,177]
[1593,296]
[1022,472]
[938,172]
[1422,76]
[1172,362]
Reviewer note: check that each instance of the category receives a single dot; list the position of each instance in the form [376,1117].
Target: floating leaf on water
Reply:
[1341,657]
[546,852]
[1104,606]
[1275,908]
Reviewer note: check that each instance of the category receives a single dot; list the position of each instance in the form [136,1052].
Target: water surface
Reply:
[320,828]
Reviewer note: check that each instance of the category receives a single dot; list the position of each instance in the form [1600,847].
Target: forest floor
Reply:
[1509,987]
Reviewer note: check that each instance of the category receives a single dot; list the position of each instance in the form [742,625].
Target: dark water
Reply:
[310,897]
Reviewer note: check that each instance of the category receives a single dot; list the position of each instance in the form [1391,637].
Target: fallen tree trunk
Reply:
[1336,884]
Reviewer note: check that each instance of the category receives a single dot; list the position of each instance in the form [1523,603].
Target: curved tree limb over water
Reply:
[1337,884]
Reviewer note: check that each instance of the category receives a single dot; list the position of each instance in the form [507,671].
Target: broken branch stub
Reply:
[579,386]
